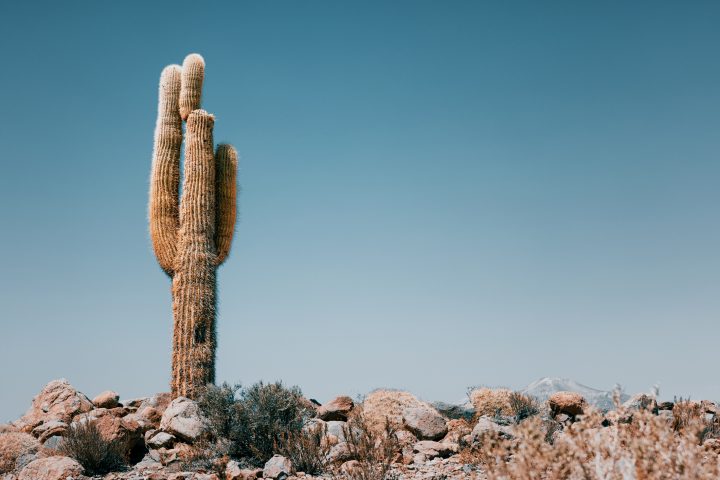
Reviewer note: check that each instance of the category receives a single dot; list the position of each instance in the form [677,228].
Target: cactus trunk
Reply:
[192,237]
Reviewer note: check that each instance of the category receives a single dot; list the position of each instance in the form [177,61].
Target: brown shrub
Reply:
[14,445]
[308,449]
[491,402]
[648,448]
[84,442]
[373,451]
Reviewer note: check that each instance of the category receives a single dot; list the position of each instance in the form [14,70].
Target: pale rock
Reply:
[183,419]
[486,425]
[160,440]
[278,468]
[425,423]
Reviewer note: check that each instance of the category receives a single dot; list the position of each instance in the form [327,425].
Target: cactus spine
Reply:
[191,237]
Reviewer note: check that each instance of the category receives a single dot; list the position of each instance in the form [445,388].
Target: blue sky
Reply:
[434,194]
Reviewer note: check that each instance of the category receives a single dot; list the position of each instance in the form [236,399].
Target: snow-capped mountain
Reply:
[543,388]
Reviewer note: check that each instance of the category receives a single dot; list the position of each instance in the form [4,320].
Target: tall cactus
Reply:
[191,237]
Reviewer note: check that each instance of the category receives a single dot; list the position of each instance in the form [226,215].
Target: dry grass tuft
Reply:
[373,451]
[491,402]
[649,447]
[308,449]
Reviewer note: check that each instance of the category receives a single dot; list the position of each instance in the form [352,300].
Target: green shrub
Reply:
[253,422]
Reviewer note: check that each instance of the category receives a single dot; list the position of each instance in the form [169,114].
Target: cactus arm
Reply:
[226,161]
[165,172]
[194,279]
[193,74]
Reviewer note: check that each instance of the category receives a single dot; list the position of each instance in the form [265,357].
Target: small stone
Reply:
[641,401]
[455,412]
[107,399]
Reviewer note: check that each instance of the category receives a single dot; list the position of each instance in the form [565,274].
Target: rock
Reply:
[641,401]
[183,419]
[14,445]
[278,468]
[234,472]
[339,453]
[435,449]
[569,403]
[388,405]
[113,428]
[710,407]
[457,429]
[425,423]
[58,400]
[51,468]
[50,429]
[712,445]
[454,412]
[160,440]
[24,460]
[107,399]
[491,401]
[336,409]
[666,405]
[351,469]
[485,425]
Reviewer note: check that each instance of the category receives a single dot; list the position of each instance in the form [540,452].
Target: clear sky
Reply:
[434,194]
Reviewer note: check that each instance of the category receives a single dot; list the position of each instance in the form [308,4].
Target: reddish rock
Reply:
[336,409]
[14,445]
[568,403]
[107,399]
[51,468]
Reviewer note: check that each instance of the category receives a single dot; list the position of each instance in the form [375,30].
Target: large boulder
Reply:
[388,405]
[14,445]
[49,429]
[51,468]
[491,401]
[426,423]
[58,400]
[569,403]
[184,419]
[278,468]
[336,409]
[107,399]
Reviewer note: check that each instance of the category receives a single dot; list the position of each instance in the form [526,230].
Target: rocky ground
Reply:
[433,440]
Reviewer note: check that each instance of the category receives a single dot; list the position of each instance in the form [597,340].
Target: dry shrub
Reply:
[522,406]
[647,448]
[491,402]
[387,406]
[373,451]
[308,449]
[14,445]
[84,442]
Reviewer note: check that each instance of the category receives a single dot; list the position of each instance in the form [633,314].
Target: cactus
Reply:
[191,237]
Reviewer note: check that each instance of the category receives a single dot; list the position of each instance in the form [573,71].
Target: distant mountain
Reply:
[543,388]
